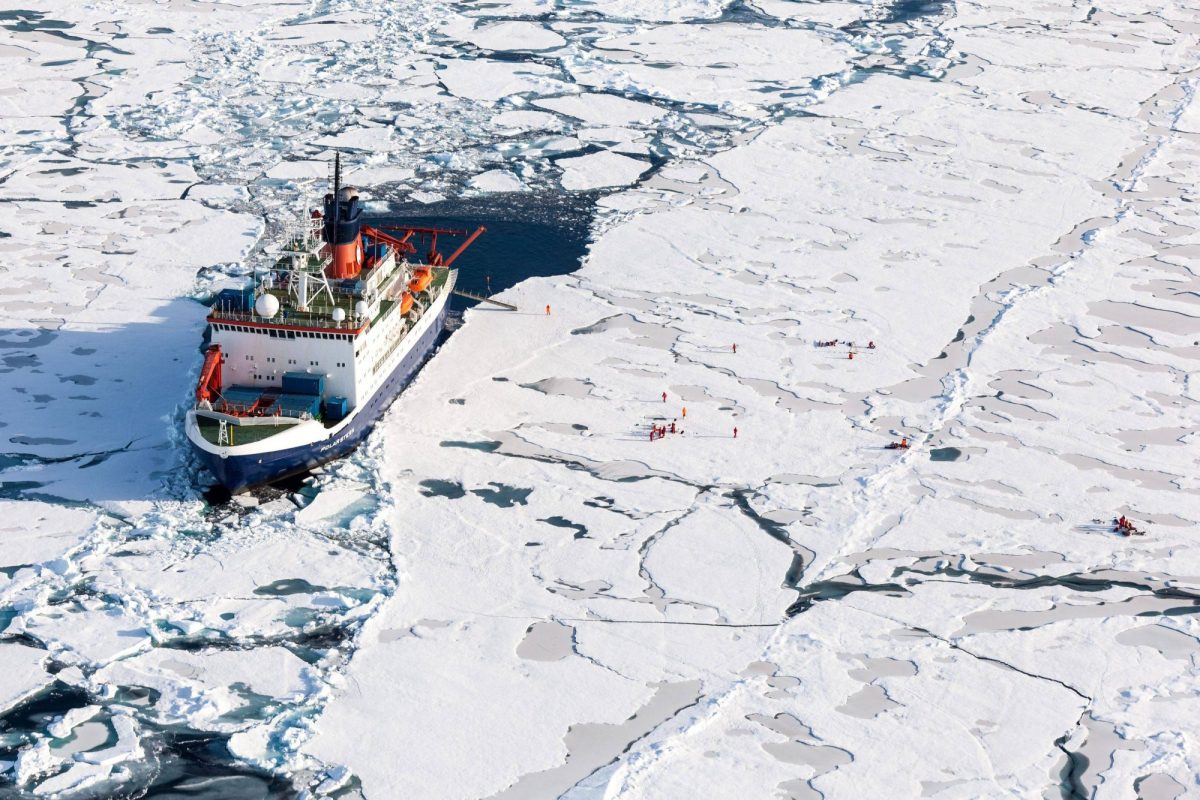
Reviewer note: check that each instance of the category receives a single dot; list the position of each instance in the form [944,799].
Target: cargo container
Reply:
[298,405]
[336,408]
[303,383]
[235,301]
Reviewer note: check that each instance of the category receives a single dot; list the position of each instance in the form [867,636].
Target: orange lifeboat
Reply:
[422,277]
[406,303]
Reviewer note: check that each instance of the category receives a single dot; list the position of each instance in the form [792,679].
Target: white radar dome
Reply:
[266,305]
[339,314]
[360,308]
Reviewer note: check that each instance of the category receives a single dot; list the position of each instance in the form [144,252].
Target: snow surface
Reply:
[22,667]
[530,598]
[597,170]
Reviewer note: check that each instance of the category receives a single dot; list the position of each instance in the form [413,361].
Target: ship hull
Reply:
[237,473]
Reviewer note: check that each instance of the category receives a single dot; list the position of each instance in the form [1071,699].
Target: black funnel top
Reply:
[342,217]
[342,209]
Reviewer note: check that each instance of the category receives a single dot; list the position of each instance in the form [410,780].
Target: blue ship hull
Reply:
[238,473]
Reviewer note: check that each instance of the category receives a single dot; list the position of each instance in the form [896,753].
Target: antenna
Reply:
[337,186]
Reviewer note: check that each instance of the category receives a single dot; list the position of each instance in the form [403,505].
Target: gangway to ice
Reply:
[482,299]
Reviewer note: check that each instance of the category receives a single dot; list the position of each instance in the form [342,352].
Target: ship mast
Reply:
[306,280]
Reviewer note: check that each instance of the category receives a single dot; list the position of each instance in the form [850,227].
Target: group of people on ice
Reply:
[661,431]
[1125,527]
[836,342]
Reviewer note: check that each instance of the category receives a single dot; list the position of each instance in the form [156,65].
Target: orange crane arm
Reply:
[401,245]
[464,246]
[404,246]
[210,374]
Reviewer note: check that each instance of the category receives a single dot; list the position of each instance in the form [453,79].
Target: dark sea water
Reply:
[183,765]
[528,235]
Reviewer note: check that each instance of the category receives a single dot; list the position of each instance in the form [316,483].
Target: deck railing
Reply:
[288,317]
[251,411]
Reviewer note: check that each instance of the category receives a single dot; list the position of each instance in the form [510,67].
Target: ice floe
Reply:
[24,672]
[497,180]
[597,170]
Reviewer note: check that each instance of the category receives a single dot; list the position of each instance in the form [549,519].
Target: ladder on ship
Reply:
[483,299]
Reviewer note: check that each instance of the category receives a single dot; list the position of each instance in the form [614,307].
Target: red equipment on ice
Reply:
[1125,527]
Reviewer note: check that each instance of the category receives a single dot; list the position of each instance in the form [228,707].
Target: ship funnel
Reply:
[343,213]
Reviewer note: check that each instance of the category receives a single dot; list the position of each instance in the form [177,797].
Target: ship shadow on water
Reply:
[92,411]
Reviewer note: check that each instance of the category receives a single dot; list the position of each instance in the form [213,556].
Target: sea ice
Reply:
[531,597]
[600,169]
[515,36]
[24,672]
[497,180]
[485,80]
[602,109]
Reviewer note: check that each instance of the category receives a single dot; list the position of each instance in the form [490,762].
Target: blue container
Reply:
[303,383]
[242,395]
[351,286]
[237,301]
[296,405]
[238,399]
[336,408]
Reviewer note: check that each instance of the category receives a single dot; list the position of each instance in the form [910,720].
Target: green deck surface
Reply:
[439,277]
[238,434]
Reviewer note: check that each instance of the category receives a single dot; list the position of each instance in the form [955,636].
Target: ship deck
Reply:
[238,434]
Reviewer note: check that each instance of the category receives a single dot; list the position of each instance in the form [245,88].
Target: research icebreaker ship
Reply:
[304,361]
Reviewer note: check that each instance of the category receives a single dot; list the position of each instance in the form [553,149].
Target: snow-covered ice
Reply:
[528,597]
[497,180]
[597,170]
[24,672]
